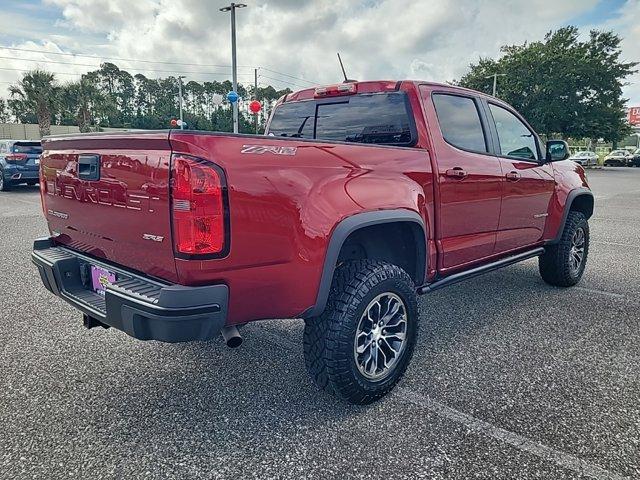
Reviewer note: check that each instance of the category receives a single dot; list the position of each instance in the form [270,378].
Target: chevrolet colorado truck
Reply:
[360,196]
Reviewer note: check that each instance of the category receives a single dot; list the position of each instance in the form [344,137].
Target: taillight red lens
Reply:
[198,206]
[16,157]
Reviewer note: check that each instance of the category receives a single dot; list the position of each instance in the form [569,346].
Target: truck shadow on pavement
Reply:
[249,395]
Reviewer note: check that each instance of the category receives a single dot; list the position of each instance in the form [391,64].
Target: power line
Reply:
[98,66]
[99,57]
[118,58]
[287,75]
[284,81]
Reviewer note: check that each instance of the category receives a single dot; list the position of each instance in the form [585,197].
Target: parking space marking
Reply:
[558,457]
[595,291]
[476,425]
[628,245]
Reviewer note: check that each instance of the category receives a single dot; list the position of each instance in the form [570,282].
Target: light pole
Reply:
[232,8]
[180,77]
[495,80]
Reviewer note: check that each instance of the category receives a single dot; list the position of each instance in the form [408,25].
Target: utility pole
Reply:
[495,80]
[180,77]
[234,65]
[255,92]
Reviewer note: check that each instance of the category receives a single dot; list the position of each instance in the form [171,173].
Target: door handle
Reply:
[456,172]
[89,167]
[513,176]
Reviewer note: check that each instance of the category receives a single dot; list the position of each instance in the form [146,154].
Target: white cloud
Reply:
[432,40]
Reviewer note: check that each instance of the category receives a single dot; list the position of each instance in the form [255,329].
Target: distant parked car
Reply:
[617,158]
[585,158]
[19,162]
[635,160]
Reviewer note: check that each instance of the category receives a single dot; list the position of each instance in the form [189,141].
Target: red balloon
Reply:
[174,122]
[255,106]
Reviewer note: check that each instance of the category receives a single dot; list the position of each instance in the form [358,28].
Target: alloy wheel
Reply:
[381,336]
[576,254]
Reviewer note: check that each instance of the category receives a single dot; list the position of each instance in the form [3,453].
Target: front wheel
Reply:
[359,348]
[563,264]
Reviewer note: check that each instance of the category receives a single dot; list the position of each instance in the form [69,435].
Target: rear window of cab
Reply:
[377,118]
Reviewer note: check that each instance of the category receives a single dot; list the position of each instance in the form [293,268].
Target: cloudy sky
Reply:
[293,41]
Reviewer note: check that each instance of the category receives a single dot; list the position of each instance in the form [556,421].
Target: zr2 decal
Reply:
[262,149]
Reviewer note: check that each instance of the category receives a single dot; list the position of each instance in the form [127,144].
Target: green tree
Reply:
[4,111]
[38,93]
[82,102]
[564,86]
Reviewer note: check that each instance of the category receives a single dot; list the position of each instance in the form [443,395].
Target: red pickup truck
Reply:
[360,196]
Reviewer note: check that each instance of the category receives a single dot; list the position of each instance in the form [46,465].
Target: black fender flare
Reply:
[349,225]
[573,194]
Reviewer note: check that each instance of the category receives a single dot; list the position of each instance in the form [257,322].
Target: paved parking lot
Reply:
[511,379]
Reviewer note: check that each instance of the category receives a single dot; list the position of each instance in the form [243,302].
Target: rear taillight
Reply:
[197,190]
[16,157]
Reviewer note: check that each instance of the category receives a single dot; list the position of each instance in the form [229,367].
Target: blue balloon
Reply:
[232,96]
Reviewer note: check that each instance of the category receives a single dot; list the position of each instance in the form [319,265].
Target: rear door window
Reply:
[460,123]
[380,118]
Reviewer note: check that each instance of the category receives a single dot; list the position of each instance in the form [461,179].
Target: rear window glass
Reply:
[381,118]
[28,148]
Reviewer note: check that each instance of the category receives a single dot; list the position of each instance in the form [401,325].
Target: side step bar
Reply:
[474,272]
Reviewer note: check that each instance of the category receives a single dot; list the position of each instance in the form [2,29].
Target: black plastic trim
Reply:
[573,194]
[474,272]
[147,311]
[345,228]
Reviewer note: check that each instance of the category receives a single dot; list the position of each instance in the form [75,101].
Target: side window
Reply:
[3,147]
[516,140]
[459,121]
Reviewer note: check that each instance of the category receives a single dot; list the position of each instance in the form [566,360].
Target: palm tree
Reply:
[39,92]
[83,99]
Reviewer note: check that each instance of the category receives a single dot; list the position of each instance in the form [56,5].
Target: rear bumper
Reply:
[141,307]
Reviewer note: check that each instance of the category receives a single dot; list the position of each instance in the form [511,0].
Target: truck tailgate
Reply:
[108,196]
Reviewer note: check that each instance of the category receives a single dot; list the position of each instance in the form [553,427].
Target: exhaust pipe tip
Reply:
[232,337]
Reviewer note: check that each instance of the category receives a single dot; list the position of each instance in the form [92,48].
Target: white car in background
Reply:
[585,158]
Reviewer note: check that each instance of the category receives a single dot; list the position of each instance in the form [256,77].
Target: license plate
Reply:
[100,278]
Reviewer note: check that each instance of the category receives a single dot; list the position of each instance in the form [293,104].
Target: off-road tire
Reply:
[555,264]
[329,338]
[4,183]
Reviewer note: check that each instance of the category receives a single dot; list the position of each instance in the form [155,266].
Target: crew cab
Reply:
[360,196]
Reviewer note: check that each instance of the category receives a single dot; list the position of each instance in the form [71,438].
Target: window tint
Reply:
[293,120]
[374,118]
[28,148]
[377,118]
[516,140]
[460,122]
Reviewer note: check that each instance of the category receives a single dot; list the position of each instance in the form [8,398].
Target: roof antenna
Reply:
[346,80]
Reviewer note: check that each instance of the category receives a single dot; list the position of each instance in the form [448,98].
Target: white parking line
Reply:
[476,425]
[558,457]
[602,292]
[627,245]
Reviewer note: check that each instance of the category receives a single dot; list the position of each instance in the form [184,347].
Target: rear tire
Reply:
[4,183]
[360,346]
[563,264]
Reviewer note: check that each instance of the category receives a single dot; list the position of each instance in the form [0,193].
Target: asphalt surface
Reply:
[511,379]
